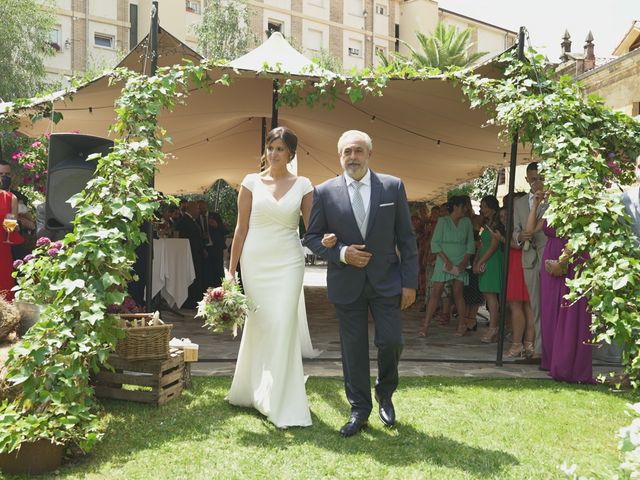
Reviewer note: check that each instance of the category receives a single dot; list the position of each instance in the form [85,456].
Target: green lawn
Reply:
[448,428]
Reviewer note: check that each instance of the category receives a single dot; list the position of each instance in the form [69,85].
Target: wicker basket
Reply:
[147,337]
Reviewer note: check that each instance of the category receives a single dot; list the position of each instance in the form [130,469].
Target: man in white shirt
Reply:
[368,215]
[532,247]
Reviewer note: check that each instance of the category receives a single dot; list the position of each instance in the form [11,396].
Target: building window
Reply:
[355,48]
[397,35]
[133,19]
[101,40]
[193,7]
[380,51]
[54,39]
[274,26]
[355,7]
[381,9]
[314,40]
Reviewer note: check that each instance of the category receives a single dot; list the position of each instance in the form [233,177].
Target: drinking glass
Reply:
[9,223]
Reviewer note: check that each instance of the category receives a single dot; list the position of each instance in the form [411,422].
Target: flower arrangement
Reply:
[224,308]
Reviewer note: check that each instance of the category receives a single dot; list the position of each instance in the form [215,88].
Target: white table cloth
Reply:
[173,270]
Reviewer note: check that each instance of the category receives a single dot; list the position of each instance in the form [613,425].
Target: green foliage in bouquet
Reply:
[224,308]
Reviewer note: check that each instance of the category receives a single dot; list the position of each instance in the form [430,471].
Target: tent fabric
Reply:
[277,54]
[423,131]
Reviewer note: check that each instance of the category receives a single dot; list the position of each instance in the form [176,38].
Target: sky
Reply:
[546,20]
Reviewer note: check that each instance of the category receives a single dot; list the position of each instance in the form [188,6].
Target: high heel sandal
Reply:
[461,331]
[475,325]
[516,351]
[443,321]
[422,333]
[491,335]
[529,351]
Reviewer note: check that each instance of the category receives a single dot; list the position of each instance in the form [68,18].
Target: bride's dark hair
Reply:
[286,135]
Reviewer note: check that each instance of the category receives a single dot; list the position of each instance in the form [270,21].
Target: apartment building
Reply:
[92,34]
[89,35]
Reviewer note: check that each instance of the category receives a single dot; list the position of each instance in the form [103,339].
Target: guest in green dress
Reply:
[453,244]
[488,263]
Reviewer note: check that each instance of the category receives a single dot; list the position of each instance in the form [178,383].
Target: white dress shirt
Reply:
[365,193]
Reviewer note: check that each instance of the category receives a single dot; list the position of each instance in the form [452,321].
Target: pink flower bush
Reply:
[43,241]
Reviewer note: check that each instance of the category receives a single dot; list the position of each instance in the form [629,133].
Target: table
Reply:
[173,270]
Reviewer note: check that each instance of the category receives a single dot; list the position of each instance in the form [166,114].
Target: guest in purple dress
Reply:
[566,352]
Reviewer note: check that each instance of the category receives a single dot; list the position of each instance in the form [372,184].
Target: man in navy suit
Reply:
[372,266]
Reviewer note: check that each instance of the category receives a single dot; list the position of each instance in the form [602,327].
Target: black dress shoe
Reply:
[353,426]
[386,412]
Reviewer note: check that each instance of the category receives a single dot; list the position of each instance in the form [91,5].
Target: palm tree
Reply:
[445,47]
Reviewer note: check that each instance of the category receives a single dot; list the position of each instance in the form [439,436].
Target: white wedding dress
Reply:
[269,374]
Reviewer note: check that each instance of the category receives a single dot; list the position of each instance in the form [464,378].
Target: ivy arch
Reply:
[583,145]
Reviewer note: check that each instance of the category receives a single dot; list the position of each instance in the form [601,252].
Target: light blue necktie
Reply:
[358,207]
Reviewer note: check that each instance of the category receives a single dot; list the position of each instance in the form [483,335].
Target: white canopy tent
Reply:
[423,130]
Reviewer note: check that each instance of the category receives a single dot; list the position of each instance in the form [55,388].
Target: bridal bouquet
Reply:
[224,308]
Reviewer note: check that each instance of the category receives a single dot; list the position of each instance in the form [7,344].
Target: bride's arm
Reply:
[305,207]
[242,227]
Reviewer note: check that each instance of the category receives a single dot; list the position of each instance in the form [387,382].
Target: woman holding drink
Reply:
[8,217]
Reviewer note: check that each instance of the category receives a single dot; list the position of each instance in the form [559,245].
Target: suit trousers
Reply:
[532,279]
[354,339]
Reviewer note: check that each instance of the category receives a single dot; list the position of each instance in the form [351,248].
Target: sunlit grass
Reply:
[448,428]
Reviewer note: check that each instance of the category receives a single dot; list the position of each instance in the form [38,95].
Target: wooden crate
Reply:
[164,379]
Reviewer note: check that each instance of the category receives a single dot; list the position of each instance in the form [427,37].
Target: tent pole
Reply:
[274,105]
[509,233]
[153,44]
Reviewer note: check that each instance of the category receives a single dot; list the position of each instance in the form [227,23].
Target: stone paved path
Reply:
[440,354]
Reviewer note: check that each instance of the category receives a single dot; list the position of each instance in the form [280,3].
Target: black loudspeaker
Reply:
[68,173]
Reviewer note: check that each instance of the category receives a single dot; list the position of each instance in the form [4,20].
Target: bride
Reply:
[269,374]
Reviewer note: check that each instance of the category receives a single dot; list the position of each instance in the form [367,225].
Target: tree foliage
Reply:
[225,32]
[24,43]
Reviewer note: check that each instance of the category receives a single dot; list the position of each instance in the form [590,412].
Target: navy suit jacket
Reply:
[389,227]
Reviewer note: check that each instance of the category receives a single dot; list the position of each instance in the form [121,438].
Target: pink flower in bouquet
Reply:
[17,263]
[224,308]
[217,294]
[52,252]
[29,257]
[43,241]
[615,168]
[36,144]
[17,156]
[57,245]
[29,165]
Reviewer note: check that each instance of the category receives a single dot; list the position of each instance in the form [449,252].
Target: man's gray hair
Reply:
[349,133]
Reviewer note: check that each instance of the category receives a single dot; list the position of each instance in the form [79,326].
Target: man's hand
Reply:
[408,297]
[524,235]
[329,240]
[356,256]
